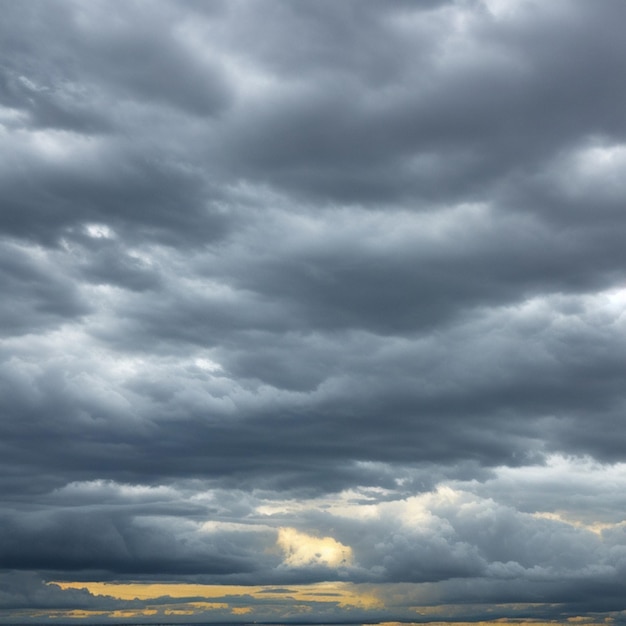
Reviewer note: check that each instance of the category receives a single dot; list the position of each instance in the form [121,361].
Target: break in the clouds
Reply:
[312,310]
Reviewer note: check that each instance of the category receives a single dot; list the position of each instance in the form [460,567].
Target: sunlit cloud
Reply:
[302,550]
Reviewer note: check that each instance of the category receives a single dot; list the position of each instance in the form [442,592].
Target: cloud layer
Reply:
[312,293]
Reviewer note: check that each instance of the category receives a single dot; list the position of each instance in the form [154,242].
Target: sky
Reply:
[313,311]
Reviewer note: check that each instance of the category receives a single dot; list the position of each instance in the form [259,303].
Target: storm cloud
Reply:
[308,294]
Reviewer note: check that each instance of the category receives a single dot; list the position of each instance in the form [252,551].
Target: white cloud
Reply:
[302,550]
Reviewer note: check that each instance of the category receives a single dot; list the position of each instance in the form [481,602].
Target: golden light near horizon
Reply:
[294,600]
[344,594]
[164,601]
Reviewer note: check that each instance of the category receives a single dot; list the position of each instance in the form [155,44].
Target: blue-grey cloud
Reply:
[299,270]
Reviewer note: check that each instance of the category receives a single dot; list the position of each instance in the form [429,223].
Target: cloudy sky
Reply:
[313,310]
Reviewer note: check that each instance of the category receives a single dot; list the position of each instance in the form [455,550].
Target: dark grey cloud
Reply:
[419,107]
[94,543]
[35,297]
[24,590]
[316,291]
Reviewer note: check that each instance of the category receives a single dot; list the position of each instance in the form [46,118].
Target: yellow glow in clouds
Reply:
[302,550]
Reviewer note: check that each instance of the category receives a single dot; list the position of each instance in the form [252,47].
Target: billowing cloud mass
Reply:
[313,311]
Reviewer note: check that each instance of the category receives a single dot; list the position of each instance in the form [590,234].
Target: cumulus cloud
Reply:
[302,550]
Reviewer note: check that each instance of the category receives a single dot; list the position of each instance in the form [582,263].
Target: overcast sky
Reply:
[315,306]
